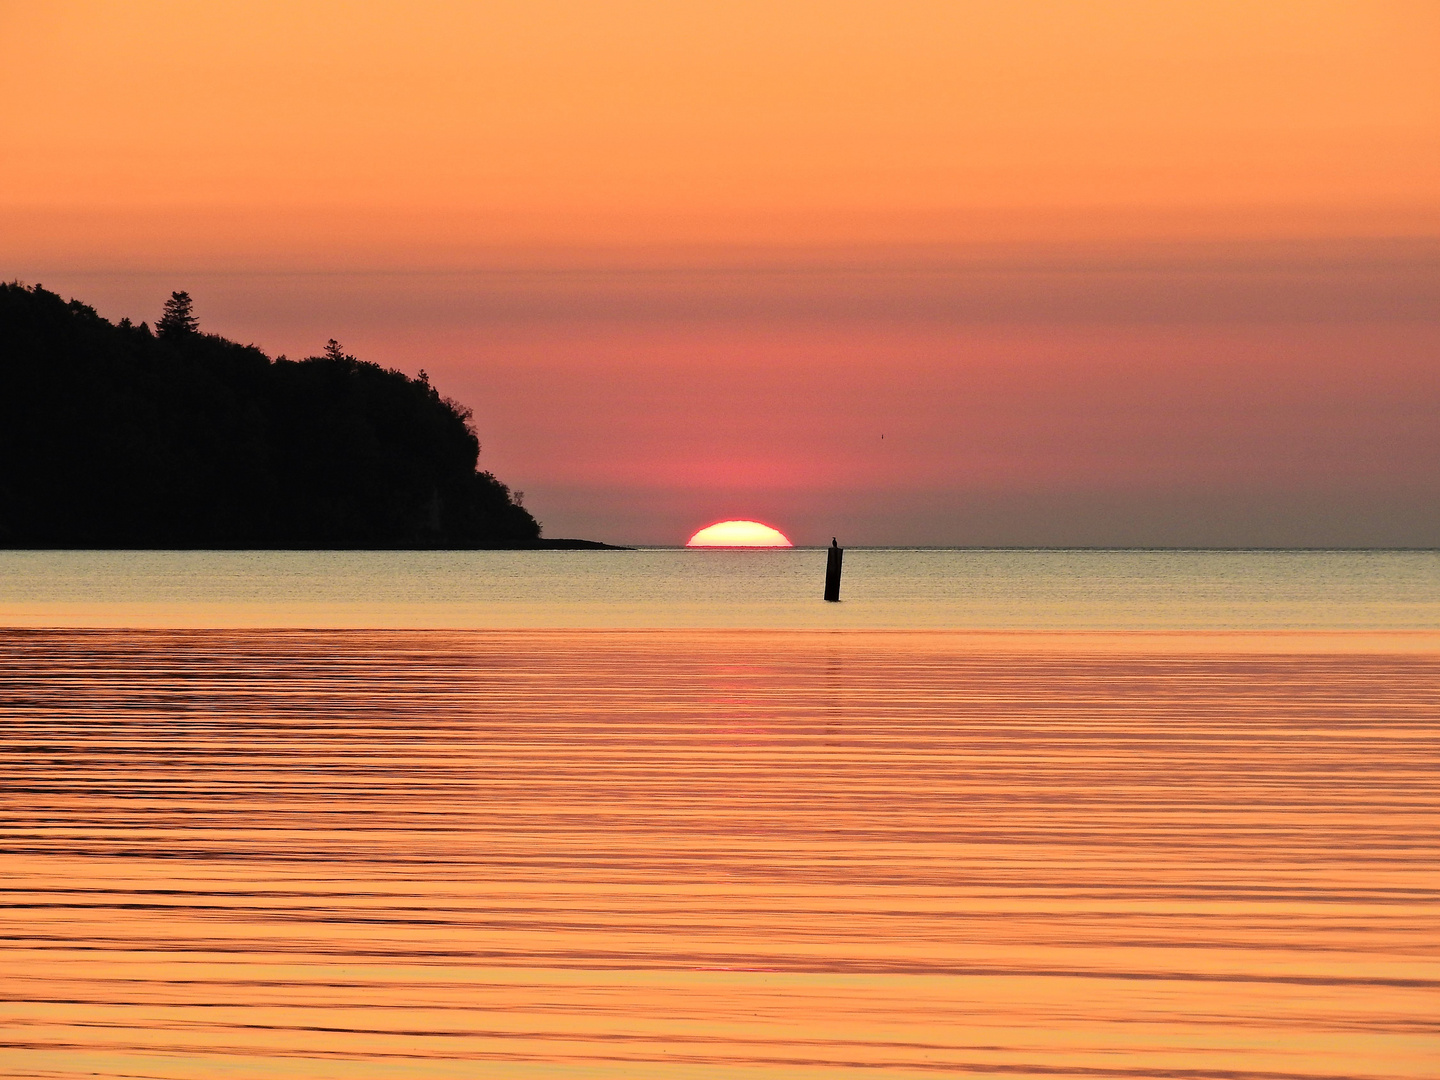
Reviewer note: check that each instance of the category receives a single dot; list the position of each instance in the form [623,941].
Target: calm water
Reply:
[714,853]
[1117,590]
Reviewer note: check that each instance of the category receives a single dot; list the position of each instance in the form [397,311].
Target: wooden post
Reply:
[832,571]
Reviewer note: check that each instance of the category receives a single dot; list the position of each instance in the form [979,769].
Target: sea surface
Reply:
[669,587]
[665,814]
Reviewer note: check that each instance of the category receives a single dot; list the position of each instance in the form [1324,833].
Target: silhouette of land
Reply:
[117,436]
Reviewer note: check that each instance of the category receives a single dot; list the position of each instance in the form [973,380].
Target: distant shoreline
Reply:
[543,544]
[575,544]
[570,544]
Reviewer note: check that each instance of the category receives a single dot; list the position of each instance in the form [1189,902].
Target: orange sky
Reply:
[754,233]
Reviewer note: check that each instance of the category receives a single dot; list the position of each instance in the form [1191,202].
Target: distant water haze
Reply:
[903,589]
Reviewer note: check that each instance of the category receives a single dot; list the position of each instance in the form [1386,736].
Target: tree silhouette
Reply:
[178,318]
[111,438]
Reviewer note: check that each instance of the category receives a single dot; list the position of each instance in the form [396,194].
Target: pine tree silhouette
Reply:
[178,317]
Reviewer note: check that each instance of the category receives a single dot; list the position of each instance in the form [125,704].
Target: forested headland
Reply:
[119,436]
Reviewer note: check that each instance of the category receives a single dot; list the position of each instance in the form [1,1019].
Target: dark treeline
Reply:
[117,436]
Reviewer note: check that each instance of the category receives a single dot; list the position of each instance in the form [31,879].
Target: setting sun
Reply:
[739,534]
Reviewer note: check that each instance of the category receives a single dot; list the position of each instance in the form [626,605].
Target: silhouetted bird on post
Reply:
[835,556]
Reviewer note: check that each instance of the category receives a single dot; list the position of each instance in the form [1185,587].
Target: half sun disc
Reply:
[739,534]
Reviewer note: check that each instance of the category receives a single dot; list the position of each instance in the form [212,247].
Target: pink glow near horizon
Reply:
[1191,425]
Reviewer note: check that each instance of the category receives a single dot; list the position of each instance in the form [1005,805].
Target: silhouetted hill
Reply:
[114,436]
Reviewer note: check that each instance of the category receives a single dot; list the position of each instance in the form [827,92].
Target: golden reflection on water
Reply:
[714,854]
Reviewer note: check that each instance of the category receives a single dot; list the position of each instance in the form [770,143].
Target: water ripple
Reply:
[698,854]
